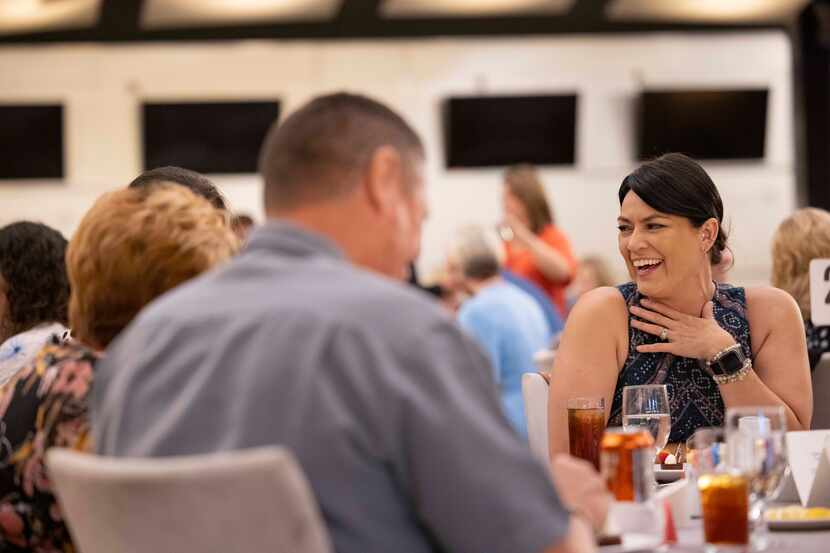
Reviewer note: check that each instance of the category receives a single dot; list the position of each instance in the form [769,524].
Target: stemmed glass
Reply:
[646,407]
[756,442]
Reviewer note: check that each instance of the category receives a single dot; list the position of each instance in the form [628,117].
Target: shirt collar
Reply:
[291,239]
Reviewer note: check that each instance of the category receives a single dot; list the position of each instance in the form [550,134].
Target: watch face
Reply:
[730,363]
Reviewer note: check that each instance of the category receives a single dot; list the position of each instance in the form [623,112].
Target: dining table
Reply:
[690,540]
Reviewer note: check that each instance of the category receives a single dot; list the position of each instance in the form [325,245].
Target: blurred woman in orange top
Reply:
[536,249]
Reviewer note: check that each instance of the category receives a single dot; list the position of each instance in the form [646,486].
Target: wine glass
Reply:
[756,444]
[646,407]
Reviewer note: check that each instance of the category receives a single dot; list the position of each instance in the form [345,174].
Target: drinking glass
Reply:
[646,407]
[706,450]
[586,425]
[756,443]
[724,492]
[724,504]
[505,232]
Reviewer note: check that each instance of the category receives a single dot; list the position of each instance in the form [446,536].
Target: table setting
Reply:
[747,486]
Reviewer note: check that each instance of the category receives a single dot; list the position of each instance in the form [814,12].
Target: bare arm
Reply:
[550,262]
[588,360]
[584,493]
[579,539]
[781,374]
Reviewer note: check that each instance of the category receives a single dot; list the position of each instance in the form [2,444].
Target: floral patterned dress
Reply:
[43,406]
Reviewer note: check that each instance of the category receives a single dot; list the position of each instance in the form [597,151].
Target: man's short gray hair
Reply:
[479,252]
[319,150]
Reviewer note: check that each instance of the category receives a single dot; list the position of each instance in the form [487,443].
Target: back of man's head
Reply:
[196,182]
[478,252]
[319,151]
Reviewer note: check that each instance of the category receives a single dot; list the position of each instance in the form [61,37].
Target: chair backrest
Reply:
[256,500]
[535,393]
[543,359]
[821,394]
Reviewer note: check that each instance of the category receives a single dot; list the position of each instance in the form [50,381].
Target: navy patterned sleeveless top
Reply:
[694,396]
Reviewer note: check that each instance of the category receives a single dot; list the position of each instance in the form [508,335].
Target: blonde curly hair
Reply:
[800,238]
[134,245]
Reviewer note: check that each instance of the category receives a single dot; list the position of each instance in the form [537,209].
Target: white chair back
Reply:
[256,500]
[543,360]
[535,393]
[821,394]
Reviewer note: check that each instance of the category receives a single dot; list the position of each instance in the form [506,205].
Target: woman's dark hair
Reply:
[196,182]
[33,266]
[677,185]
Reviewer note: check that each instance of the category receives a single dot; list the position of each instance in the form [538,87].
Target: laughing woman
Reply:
[714,345]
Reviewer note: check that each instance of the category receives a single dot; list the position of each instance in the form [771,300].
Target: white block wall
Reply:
[102,87]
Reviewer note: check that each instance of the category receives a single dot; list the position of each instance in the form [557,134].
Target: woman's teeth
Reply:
[646,263]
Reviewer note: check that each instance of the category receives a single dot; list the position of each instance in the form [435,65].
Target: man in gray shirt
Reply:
[389,407]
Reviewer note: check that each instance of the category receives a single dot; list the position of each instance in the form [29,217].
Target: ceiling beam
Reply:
[360,19]
[119,17]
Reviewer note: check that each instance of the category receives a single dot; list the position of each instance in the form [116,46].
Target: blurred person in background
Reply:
[34,292]
[155,238]
[195,182]
[800,238]
[720,270]
[536,249]
[592,273]
[505,321]
[242,224]
[385,401]
[716,346]
[451,280]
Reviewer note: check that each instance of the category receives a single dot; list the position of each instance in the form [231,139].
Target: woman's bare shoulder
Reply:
[605,303]
[768,308]
[596,333]
[770,302]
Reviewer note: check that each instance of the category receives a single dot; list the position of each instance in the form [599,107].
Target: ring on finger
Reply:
[664,334]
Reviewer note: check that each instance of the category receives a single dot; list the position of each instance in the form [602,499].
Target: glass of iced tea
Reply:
[586,424]
[724,502]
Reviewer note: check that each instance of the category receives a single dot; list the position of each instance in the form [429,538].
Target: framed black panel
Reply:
[705,124]
[212,137]
[31,141]
[502,130]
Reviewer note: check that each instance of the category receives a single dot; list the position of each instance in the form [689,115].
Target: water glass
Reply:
[646,407]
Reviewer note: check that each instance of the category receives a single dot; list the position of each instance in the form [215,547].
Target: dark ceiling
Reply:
[119,22]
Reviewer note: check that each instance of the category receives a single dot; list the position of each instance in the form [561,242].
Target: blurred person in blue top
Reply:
[552,316]
[506,321]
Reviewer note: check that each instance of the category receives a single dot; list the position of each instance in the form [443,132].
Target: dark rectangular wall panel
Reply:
[705,124]
[493,131]
[31,141]
[214,137]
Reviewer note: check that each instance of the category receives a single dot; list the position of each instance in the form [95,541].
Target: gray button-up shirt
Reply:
[389,407]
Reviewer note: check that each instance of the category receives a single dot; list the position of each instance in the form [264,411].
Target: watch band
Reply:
[734,347]
[734,377]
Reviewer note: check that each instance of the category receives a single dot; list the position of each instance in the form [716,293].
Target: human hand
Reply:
[522,234]
[581,489]
[683,335]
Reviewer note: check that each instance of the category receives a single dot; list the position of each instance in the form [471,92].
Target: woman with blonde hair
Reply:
[132,246]
[800,238]
[536,249]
